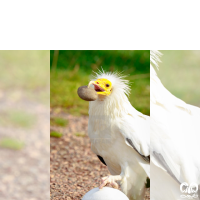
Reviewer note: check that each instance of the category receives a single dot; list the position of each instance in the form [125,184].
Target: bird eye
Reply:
[107,85]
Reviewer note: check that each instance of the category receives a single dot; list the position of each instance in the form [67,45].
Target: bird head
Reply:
[110,84]
[102,86]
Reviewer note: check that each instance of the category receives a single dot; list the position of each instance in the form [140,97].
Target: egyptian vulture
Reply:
[175,142]
[119,135]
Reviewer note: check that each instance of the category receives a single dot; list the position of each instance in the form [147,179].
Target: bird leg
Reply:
[111,180]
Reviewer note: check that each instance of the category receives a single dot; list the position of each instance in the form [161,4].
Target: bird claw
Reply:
[108,179]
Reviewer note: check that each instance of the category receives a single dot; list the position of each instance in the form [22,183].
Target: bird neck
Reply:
[112,106]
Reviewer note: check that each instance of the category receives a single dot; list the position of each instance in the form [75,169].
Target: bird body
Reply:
[175,136]
[120,135]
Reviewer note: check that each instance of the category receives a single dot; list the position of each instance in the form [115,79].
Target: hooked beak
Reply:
[97,87]
[90,83]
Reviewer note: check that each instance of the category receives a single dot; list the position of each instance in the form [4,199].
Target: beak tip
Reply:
[90,83]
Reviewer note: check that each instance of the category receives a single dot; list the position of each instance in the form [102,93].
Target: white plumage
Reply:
[120,135]
[175,141]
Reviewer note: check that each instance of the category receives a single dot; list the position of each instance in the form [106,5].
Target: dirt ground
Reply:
[74,168]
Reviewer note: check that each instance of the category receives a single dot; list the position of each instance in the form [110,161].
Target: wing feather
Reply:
[136,131]
[146,158]
[175,132]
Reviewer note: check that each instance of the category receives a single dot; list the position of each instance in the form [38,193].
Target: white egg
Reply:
[107,193]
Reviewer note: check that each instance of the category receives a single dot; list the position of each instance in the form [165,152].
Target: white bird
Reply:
[175,142]
[119,135]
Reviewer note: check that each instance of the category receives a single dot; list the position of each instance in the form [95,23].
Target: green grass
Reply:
[74,69]
[17,118]
[64,85]
[11,144]
[80,134]
[148,183]
[56,134]
[140,93]
[57,121]
[179,73]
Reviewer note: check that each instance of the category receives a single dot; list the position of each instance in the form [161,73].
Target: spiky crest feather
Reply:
[155,58]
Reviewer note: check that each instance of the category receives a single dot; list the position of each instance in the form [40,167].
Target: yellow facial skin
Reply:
[103,84]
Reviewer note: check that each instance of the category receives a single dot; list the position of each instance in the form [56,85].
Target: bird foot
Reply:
[110,179]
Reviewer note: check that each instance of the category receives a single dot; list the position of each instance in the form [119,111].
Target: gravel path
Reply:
[24,173]
[74,168]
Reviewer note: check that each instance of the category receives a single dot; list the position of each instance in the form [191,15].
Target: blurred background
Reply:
[179,72]
[72,69]
[74,168]
[24,125]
